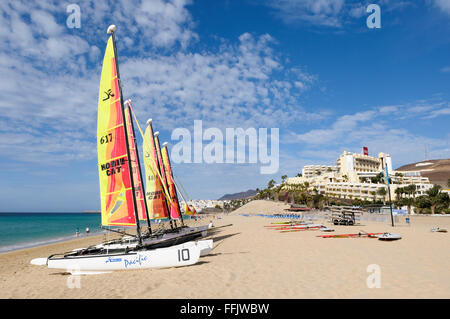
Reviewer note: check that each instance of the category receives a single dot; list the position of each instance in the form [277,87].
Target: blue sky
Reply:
[313,69]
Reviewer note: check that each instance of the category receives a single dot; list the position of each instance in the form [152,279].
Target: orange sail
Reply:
[156,201]
[138,187]
[115,179]
[189,211]
[175,207]
[173,211]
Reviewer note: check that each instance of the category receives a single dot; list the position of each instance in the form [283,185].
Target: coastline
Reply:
[48,241]
[70,236]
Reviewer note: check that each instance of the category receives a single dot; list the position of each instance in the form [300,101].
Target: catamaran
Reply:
[160,194]
[122,194]
[161,200]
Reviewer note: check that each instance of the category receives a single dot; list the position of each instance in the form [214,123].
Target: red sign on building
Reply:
[365,150]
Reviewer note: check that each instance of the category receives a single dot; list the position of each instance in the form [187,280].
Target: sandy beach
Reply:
[251,261]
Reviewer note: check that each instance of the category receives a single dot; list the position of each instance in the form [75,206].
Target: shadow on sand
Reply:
[224,237]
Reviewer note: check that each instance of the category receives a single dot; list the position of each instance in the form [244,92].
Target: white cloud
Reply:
[240,86]
[315,12]
[374,128]
[388,109]
[340,128]
[358,11]
[443,5]
[45,23]
[439,112]
[161,24]
[50,74]
[329,13]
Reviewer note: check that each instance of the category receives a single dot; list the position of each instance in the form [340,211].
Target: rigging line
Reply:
[165,193]
[179,182]
[142,135]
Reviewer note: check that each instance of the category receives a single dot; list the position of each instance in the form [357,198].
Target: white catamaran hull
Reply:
[131,242]
[174,256]
[205,246]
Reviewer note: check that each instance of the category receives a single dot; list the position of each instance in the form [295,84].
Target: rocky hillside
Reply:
[438,171]
[241,195]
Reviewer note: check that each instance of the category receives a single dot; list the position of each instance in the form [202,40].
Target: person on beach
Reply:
[87,231]
[77,232]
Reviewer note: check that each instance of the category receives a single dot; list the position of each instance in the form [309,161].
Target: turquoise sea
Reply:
[23,230]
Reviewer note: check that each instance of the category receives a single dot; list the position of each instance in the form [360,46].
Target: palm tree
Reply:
[382,192]
[437,198]
[433,195]
[411,190]
[378,179]
[373,193]
[317,200]
[399,192]
[422,202]
[283,178]
[407,201]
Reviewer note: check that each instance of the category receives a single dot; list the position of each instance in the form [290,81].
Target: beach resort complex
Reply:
[359,176]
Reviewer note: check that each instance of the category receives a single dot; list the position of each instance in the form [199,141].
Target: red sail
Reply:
[175,208]
[139,189]
[173,211]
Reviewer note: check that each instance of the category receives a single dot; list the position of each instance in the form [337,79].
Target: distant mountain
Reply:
[437,171]
[241,195]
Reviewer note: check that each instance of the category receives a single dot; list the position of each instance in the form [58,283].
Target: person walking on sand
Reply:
[77,232]
[87,231]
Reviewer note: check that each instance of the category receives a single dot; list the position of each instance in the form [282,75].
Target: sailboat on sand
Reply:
[122,194]
[161,200]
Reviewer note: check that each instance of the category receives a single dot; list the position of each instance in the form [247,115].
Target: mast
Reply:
[389,192]
[173,180]
[163,174]
[149,123]
[185,193]
[182,196]
[112,29]
[128,102]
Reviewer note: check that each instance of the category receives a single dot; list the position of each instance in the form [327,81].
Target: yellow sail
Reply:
[156,201]
[115,181]
[175,207]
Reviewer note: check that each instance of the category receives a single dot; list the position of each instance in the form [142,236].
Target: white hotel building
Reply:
[351,177]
